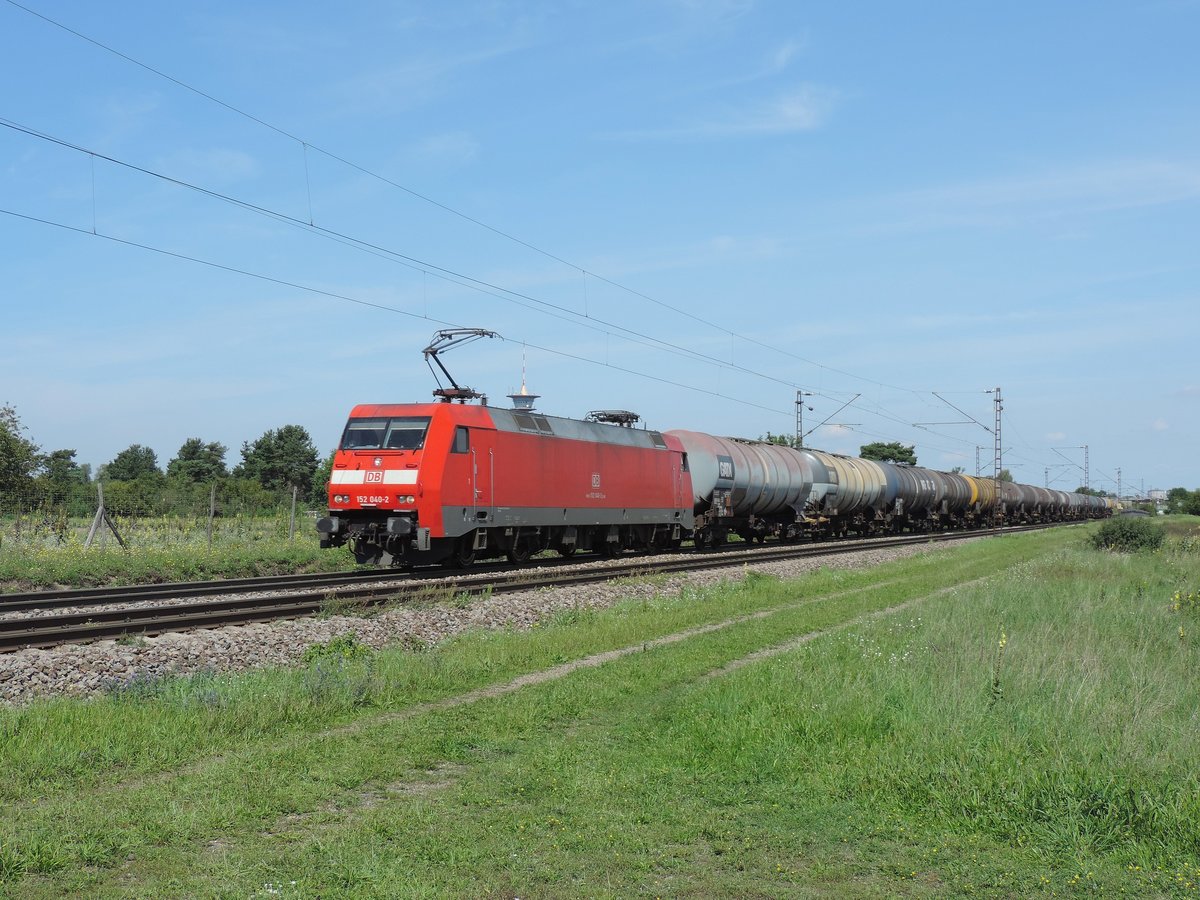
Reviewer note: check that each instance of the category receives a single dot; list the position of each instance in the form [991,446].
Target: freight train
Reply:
[445,482]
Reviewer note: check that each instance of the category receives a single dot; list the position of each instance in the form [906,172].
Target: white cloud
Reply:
[803,108]
[121,118]
[717,10]
[1056,436]
[208,166]
[1160,425]
[783,56]
[1078,190]
[457,148]
[413,82]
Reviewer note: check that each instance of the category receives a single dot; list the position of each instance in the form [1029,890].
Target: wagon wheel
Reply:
[566,551]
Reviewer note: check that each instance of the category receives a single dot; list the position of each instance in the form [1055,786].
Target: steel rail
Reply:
[60,597]
[62,628]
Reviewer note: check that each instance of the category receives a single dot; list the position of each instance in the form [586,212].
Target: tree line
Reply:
[1181,500]
[271,466]
[280,460]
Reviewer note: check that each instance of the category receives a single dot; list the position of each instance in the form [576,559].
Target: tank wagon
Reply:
[757,489]
[424,483]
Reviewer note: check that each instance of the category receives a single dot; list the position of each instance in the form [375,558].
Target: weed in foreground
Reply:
[342,648]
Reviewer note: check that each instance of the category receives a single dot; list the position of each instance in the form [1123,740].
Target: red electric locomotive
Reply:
[448,482]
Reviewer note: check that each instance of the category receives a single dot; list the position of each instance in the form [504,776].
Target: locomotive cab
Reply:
[373,488]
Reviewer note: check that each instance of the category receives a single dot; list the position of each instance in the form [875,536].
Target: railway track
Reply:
[215,604]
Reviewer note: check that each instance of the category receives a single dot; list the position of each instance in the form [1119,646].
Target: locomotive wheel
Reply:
[463,554]
[566,551]
[519,552]
[367,554]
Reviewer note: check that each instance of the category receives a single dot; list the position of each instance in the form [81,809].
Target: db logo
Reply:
[374,478]
[595,479]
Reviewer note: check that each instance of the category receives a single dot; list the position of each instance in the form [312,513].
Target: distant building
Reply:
[1158,495]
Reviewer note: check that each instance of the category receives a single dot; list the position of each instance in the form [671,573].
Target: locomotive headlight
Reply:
[410,499]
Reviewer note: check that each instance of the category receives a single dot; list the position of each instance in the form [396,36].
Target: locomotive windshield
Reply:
[400,433]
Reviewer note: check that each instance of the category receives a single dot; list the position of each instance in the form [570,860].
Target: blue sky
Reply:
[687,208]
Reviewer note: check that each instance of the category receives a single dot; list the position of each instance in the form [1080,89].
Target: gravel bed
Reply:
[103,666]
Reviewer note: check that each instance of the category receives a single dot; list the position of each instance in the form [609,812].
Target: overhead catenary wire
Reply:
[553,309]
[307,145]
[334,295]
[469,282]
[452,276]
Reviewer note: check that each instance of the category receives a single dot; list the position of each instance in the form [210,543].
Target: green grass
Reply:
[24,567]
[1030,733]
[38,553]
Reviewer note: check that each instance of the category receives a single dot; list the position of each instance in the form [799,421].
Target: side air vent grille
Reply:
[533,424]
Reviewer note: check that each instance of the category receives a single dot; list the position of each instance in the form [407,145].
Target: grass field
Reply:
[1010,718]
[163,548]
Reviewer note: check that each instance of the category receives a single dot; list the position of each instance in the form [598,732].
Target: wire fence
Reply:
[158,515]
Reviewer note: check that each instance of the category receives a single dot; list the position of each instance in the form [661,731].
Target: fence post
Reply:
[292,521]
[212,511]
[103,518]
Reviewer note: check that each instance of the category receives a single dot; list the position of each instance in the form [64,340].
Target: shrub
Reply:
[1129,534]
[344,647]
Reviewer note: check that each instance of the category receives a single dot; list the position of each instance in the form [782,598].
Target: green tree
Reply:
[319,492]
[19,456]
[783,440]
[1181,500]
[198,462]
[62,471]
[1189,502]
[64,486]
[1004,475]
[132,463]
[957,470]
[893,452]
[66,483]
[281,458]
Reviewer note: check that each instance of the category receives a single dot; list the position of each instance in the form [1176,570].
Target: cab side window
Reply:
[462,440]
